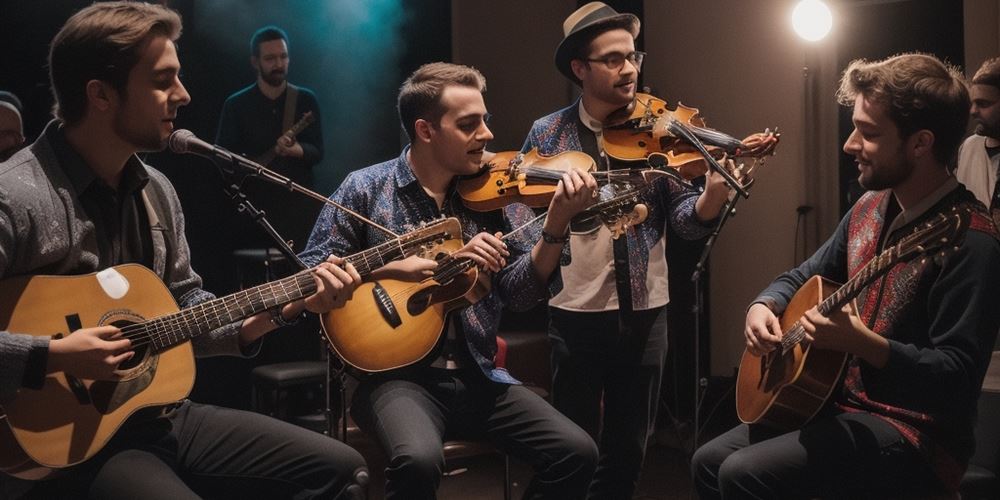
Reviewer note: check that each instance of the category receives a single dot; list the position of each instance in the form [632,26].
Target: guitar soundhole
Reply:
[141,350]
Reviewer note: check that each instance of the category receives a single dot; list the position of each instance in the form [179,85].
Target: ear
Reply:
[100,95]
[922,143]
[579,68]
[424,130]
[255,62]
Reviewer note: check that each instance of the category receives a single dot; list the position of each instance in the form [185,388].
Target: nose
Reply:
[484,133]
[852,145]
[181,96]
[629,68]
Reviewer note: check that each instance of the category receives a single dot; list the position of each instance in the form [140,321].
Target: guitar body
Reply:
[785,392]
[69,419]
[390,324]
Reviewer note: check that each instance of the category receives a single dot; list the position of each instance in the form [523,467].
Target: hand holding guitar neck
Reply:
[286,145]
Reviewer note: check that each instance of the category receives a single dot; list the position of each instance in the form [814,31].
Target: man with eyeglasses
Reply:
[607,314]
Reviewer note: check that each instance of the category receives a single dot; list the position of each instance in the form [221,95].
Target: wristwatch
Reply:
[280,320]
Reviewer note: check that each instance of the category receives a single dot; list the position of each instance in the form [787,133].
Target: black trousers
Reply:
[412,413]
[606,377]
[203,451]
[844,455]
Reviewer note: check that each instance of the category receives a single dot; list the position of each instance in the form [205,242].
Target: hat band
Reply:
[597,15]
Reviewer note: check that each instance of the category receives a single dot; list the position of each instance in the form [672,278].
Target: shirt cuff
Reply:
[36,364]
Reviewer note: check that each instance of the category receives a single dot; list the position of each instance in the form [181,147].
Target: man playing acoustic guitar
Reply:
[463,393]
[899,423]
[78,201]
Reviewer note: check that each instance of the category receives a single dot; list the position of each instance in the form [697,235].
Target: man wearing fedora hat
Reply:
[607,312]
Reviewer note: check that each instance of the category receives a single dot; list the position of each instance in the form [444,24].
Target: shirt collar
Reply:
[593,124]
[404,174]
[912,213]
[134,175]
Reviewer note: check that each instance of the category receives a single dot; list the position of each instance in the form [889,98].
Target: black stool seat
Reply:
[274,384]
[255,255]
[282,375]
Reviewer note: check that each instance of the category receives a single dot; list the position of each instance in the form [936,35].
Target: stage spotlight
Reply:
[812,19]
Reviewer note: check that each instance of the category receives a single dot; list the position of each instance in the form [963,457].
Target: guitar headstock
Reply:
[433,238]
[936,236]
[621,222]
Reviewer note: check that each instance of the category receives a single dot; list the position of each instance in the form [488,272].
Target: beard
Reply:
[885,177]
[988,129]
[142,140]
[274,78]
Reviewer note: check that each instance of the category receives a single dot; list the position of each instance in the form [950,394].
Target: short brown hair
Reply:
[988,73]
[420,94]
[920,93]
[102,42]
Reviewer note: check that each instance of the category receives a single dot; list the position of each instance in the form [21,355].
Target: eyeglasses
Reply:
[616,60]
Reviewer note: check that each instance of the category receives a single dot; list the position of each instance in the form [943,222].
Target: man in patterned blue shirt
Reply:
[412,410]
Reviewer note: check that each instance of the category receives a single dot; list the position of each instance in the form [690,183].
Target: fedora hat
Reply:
[583,25]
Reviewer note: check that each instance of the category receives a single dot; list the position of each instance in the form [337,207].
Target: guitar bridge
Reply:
[385,306]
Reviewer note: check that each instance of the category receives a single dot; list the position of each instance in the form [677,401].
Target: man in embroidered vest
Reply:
[607,312]
[979,155]
[462,392]
[79,200]
[254,121]
[918,343]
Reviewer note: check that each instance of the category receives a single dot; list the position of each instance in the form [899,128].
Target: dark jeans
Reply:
[412,413]
[213,452]
[846,455]
[606,378]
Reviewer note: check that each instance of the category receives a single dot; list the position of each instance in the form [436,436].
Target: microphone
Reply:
[184,141]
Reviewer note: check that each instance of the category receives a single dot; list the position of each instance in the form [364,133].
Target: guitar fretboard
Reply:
[170,330]
[173,329]
[369,260]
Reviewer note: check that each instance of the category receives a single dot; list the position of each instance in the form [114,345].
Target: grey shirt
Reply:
[46,229]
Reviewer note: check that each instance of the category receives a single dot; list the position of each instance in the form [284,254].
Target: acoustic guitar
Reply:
[787,387]
[70,419]
[390,324]
[268,156]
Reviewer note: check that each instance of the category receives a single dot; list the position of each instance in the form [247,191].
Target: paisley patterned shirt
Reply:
[668,201]
[389,194]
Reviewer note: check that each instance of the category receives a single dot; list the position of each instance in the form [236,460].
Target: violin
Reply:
[655,133]
[513,177]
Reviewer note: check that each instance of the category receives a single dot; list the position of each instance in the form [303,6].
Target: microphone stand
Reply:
[233,191]
[701,383]
[243,205]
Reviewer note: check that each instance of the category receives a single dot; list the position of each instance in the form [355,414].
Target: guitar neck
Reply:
[173,329]
[367,261]
[167,331]
[875,268]
[268,156]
